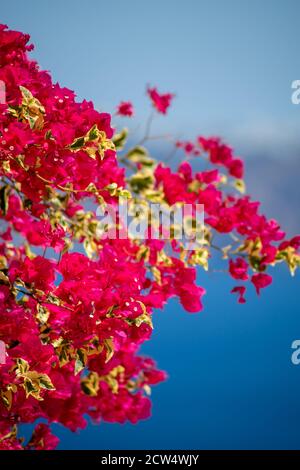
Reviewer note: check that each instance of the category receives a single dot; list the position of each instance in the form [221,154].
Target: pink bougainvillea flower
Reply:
[238,269]
[260,281]
[161,102]
[42,438]
[240,290]
[222,154]
[269,253]
[188,147]
[125,108]
[294,243]
[38,272]
[236,168]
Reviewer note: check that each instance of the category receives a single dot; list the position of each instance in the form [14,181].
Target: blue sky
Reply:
[231,65]
[229,62]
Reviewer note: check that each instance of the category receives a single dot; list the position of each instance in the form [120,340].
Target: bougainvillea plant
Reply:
[76,305]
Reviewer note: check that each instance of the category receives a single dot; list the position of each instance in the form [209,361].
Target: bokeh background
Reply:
[231,64]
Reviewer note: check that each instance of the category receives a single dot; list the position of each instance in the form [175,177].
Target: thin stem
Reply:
[161,137]
[171,154]
[148,128]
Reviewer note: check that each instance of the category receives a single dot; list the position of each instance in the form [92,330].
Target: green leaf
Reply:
[33,381]
[136,152]
[140,155]
[22,366]
[144,317]
[42,314]
[92,134]
[90,247]
[112,188]
[77,143]
[80,361]
[10,435]
[4,199]
[141,181]
[15,111]
[26,94]
[49,134]
[31,109]
[30,389]
[120,139]
[90,384]
[7,397]
[125,193]
[45,382]
[109,345]
[240,186]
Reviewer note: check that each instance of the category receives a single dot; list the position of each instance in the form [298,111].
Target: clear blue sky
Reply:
[228,62]
[231,65]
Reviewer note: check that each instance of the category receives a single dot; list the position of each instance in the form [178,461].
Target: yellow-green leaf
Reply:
[140,155]
[119,139]
[80,360]
[240,186]
[77,144]
[90,384]
[109,345]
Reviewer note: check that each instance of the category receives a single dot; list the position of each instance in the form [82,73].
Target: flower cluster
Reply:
[71,321]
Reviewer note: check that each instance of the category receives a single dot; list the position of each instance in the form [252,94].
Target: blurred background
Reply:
[231,64]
